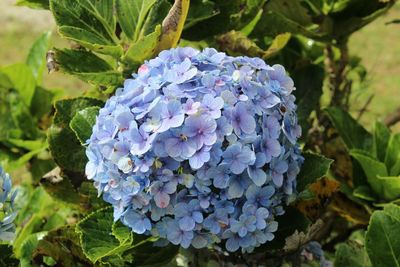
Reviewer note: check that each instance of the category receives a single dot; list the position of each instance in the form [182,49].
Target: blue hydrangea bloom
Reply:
[199,149]
[7,213]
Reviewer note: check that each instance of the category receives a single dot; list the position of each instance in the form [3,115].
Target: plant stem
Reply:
[337,82]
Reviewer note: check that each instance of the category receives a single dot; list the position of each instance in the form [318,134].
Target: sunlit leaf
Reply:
[382,242]
[36,59]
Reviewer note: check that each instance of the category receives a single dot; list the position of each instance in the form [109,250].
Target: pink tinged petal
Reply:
[143,69]
[162,199]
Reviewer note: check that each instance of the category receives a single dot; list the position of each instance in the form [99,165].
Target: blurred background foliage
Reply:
[347,76]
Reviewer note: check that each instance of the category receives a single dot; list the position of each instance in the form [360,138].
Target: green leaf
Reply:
[315,166]
[352,253]
[155,17]
[199,11]
[293,220]
[308,92]
[90,41]
[144,48]
[390,187]
[392,156]
[382,242]
[16,121]
[89,23]
[88,67]
[42,102]
[358,14]
[59,187]
[147,255]
[364,192]
[277,45]
[27,144]
[352,133]
[236,43]
[63,246]
[65,148]
[89,199]
[172,25]
[96,236]
[7,257]
[280,17]
[229,15]
[27,248]
[131,16]
[39,4]
[30,227]
[372,168]
[82,123]
[23,81]
[381,140]
[248,29]
[36,59]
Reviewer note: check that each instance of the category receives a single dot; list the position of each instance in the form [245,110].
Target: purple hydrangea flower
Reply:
[7,212]
[195,149]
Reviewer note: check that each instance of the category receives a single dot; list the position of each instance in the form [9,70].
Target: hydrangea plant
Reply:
[199,148]
[7,212]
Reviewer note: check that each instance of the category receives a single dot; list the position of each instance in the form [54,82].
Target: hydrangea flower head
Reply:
[199,148]
[7,213]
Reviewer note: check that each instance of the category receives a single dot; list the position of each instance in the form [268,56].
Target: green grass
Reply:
[377,44]
[21,26]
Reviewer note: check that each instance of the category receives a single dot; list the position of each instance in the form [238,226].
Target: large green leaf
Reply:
[97,237]
[237,43]
[23,81]
[16,121]
[308,92]
[381,140]
[200,10]
[89,23]
[40,4]
[7,257]
[155,17]
[392,156]
[229,15]
[352,253]
[144,48]
[291,16]
[59,187]
[356,14]
[36,59]
[390,187]
[88,67]
[42,102]
[372,168]
[315,166]
[82,123]
[63,246]
[382,242]
[279,42]
[131,16]
[65,148]
[352,133]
